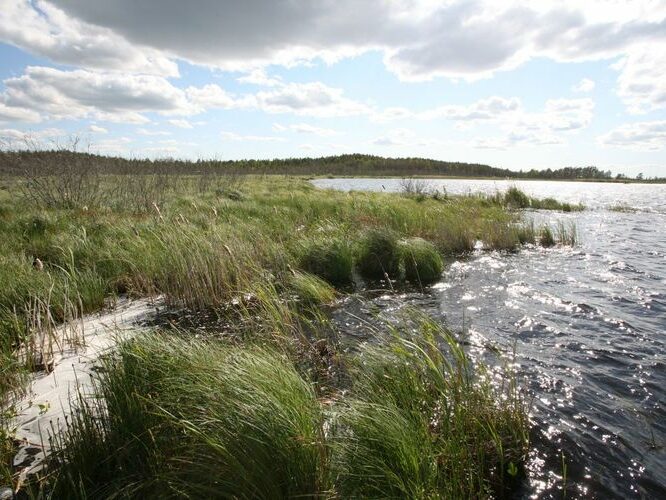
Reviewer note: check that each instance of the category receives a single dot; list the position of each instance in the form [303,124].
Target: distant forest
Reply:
[45,162]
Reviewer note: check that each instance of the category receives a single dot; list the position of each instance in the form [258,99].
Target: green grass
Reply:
[623,208]
[567,234]
[255,242]
[378,254]
[422,263]
[516,198]
[310,289]
[189,418]
[421,422]
[547,238]
[330,258]
[200,249]
[173,417]
[7,449]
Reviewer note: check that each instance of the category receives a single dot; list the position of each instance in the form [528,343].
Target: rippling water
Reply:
[589,328]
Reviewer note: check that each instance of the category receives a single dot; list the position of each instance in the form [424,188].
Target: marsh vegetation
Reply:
[269,405]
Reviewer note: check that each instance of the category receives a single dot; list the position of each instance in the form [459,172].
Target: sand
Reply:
[49,397]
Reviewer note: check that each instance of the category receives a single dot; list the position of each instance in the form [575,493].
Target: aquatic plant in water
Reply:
[422,263]
[378,254]
[330,258]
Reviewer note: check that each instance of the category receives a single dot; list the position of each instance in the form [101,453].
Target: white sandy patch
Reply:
[50,396]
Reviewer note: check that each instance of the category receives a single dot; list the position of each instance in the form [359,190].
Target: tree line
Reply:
[47,162]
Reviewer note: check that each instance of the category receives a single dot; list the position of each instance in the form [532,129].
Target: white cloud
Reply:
[518,126]
[233,136]
[307,99]
[420,39]
[239,35]
[31,137]
[43,29]
[104,96]
[305,128]
[642,79]
[390,114]
[641,136]
[558,115]
[395,137]
[115,146]
[135,47]
[542,128]
[562,115]
[161,151]
[43,92]
[181,123]
[17,114]
[259,77]
[584,86]
[211,96]
[166,147]
[402,137]
[485,109]
[145,131]
[97,129]
[516,139]
[491,108]
[339,147]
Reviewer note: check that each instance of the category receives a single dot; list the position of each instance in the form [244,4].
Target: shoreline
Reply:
[51,395]
[278,252]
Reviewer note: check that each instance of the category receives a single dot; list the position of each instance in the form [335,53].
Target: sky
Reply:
[518,85]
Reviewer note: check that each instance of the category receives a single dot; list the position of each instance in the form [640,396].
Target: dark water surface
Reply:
[589,328]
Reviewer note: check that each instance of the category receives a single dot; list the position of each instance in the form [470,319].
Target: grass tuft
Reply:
[567,234]
[179,237]
[421,424]
[189,418]
[176,417]
[547,238]
[515,198]
[623,208]
[378,254]
[422,261]
[310,289]
[329,258]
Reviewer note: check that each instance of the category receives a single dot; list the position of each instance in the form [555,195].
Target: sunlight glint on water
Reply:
[589,328]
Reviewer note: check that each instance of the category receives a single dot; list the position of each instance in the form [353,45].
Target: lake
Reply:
[588,325]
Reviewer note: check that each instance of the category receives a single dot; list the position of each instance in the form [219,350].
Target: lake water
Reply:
[589,328]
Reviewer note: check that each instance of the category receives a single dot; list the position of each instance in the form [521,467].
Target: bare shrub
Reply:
[215,176]
[418,188]
[139,192]
[60,177]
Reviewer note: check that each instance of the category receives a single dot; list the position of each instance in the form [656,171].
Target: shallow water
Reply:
[589,328]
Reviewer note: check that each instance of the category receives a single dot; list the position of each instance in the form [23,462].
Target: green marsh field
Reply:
[272,402]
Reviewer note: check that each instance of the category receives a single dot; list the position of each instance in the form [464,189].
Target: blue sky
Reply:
[514,85]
